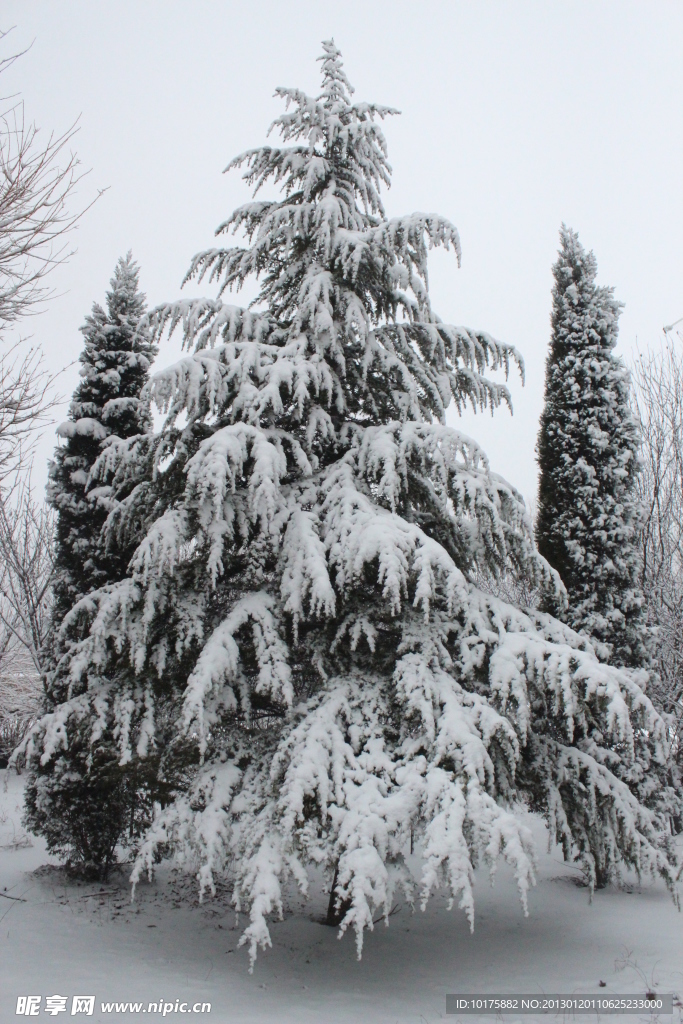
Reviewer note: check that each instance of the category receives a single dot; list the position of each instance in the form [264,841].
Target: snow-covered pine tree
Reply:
[81,800]
[297,647]
[115,364]
[588,513]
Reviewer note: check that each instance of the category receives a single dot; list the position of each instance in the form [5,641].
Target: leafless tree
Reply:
[37,179]
[658,395]
[26,568]
[509,587]
[26,399]
[21,699]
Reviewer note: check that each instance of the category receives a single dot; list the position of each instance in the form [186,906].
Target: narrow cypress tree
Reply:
[115,367]
[588,456]
[84,800]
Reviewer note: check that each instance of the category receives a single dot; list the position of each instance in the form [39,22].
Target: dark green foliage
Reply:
[81,802]
[82,799]
[115,366]
[587,449]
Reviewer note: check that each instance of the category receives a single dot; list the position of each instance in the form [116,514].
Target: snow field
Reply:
[68,939]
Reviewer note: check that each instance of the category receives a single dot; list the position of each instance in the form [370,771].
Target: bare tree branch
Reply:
[26,568]
[37,180]
[658,396]
[21,700]
[38,177]
[26,399]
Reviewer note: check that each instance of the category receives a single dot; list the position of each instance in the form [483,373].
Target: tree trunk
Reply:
[603,876]
[134,791]
[336,913]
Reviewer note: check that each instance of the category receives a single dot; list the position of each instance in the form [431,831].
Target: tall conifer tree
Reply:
[298,653]
[588,513]
[115,364]
[84,800]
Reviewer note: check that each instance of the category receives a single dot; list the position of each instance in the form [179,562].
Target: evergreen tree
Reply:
[115,365]
[588,512]
[298,659]
[82,800]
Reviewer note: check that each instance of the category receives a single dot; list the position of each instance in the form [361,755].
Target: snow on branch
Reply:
[218,664]
[337,692]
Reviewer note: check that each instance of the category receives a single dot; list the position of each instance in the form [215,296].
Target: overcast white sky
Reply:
[515,117]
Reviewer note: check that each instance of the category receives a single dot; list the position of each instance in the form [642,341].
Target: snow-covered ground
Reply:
[68,939]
